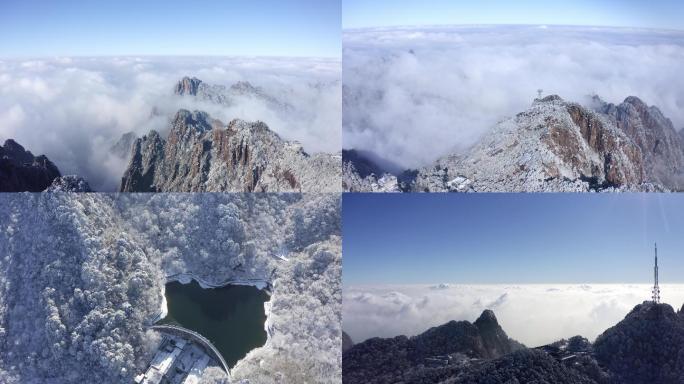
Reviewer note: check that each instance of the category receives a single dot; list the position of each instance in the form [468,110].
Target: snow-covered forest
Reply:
[82,274]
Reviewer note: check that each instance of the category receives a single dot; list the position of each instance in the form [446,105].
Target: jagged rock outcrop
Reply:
[187,86]
[557,146]
[400,358]
[662,147]
[647,346]
[69,183]
[20,171]
[204,154]
[228,96]
[495,341]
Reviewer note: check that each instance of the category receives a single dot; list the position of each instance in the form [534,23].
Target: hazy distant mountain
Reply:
[122,148]
[21,171]
[557,146]
[646,347]
[221,94]
[204,154]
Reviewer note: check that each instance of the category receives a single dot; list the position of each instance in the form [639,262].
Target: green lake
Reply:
[231,317]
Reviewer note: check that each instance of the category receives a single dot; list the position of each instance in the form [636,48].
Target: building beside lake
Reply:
[181,358]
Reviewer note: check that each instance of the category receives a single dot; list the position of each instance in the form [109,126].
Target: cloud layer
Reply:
[532,314]
[74,109]
[413,94]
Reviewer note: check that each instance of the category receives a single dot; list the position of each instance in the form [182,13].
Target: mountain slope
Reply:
[646,347]
[203,154]
[393,360]
[554,146]
[661,145]
[21,171]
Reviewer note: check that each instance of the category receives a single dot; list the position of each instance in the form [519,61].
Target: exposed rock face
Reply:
[553,146]
[646,347]
[556,146]
[187,86]
[21,171]
[203,154]
[662,147]
[69,183]
[395,360]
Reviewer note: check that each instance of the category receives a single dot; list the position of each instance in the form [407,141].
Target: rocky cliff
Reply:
[21,171]
[204,154]
[662,147]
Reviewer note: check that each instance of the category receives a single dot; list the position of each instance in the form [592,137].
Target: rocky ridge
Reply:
[557,146]
[21,171]
[228,95]
[647,346]
[403,359]
[204,154]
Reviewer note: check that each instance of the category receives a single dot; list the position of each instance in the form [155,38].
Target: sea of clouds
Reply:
[412,94]
[532,314]
[74,109]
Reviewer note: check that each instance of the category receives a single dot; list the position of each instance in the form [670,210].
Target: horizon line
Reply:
[345,29]
[147,55]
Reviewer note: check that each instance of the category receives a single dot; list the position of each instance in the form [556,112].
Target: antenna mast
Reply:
[656,288]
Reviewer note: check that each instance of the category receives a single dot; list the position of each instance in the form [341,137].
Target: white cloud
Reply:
[532,314]
[74,109]
[414,93]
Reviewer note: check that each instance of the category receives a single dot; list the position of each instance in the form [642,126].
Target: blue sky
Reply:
[170,27]
[511,238]
[666,14]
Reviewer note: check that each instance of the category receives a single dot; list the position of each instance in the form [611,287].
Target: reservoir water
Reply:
[231,317]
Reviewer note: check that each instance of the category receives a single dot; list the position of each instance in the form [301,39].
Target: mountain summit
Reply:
[647,346]
[229,96]
[203,154]
[555,146]
[403,359]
